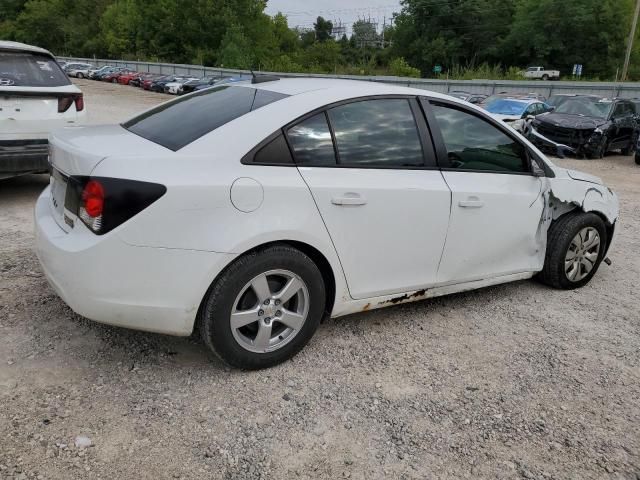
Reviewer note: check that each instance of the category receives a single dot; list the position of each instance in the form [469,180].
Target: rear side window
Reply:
[379,133]
[24,69]
[311,142]
[176,124]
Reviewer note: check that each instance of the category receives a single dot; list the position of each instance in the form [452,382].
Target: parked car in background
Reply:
[78,70]
[175,87]
[110,71]
[557,99]
[279,203]
[36,97]
[496,96]
[158,84]
[93,74]
[192,85]
[221,81]
[125,78]
[474,98]
[145,78]
[517,112]
[540,73]
[587,127]
[115,74]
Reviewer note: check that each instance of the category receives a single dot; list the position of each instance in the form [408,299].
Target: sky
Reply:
[304,13]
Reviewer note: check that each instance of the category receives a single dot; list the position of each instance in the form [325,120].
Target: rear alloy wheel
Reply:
[576,246]
[264,308]
[80,75]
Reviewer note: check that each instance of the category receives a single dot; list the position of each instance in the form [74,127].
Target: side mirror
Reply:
[551,108]
[530,117]
[536,169]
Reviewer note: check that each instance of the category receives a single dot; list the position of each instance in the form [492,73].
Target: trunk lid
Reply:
[31,110]
[78,150]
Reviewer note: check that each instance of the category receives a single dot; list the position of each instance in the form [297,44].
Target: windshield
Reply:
[507,107]
[586,108]
[180,122]
[24,69]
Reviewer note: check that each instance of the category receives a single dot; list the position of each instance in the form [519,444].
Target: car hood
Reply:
[576,175]
[577,122]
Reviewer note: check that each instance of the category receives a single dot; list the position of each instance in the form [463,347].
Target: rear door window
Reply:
[176,124]
[25,69]
[381,132]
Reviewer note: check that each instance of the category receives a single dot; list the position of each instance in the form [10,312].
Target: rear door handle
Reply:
[349,198]
[471,202]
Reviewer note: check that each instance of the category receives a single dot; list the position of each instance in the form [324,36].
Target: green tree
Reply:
[323,29]
[235,49]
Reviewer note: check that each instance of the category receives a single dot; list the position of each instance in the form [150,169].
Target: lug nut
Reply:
[278,313]
[260,312]
[267,321]
[266,302]
[278,302]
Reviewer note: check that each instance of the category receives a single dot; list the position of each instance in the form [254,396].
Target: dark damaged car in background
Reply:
[587,127]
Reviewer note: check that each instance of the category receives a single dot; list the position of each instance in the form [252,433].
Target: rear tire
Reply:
[545,77]
[276,329]
[629,149]
[79,75]
[637,158]
[576,244]
[114,80]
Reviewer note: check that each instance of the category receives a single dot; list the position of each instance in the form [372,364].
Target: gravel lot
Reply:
[514,381]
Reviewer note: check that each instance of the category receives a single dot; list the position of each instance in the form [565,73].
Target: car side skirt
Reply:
[355,306]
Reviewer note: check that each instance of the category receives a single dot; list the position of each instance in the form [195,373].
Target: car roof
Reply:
[22,47]
[338,87]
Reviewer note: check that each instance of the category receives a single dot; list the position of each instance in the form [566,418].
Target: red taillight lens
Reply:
[64,103]
[79,101]
[93,198]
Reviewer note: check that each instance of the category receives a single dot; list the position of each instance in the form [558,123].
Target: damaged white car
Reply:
[279,202]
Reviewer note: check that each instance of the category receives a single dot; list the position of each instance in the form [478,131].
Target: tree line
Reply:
[465,38]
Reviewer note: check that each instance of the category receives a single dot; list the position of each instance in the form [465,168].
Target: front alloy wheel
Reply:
[582,255]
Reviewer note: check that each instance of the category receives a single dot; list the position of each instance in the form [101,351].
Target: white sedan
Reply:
[279,202]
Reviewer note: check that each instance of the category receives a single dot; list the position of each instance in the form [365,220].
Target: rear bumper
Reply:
[109,281]
[23,156]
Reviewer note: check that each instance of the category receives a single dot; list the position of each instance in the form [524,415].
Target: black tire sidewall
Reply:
[560,250]
[216,328]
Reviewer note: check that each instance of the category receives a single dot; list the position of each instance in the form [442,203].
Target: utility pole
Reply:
[632,35]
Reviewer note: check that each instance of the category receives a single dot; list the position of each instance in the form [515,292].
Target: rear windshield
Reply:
[23,69]
[178,123]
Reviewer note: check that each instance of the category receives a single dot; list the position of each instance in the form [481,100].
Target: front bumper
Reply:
[561,141]
[23,156]
[109,281]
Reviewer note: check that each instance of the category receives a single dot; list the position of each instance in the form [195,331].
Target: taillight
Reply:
[105,203]
[92,205]
[65,102]
[79,101]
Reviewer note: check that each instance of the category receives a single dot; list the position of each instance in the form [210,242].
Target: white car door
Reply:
[497,202]
[375,182]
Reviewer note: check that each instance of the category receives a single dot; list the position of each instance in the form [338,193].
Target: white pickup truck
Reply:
[541,73]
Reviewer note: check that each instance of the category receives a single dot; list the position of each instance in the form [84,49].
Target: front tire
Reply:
[264,308]
[576,245]
[602,149]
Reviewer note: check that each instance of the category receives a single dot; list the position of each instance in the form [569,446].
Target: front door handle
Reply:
[471,202]
[349,198]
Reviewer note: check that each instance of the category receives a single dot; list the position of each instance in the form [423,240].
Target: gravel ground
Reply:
[514,381]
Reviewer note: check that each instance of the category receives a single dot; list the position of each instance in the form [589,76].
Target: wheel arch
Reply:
[321,261]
